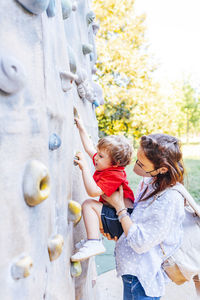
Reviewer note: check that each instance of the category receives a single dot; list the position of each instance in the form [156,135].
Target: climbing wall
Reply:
[47,58]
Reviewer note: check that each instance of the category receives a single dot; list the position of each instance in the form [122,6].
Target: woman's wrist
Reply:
[121,210]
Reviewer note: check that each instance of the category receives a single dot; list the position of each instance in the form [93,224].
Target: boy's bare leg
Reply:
[92,217]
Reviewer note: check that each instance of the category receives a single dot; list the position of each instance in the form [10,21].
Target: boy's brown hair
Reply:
[118,148]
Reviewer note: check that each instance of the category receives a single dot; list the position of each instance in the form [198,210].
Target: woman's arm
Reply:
[155,223]
[117,201]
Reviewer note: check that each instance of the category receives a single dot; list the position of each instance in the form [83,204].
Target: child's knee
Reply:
[87,203]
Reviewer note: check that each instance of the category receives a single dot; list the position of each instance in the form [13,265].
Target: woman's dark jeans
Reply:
[133,290]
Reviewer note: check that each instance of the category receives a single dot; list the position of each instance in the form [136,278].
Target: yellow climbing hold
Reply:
[55,246]
[74,210]
[76,269]
[22,267]
[36,186]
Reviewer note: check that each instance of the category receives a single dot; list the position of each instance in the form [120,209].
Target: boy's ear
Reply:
[117,165]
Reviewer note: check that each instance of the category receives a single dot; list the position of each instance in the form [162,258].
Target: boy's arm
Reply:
[86,141]
[90,185]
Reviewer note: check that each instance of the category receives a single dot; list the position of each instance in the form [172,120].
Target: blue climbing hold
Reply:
[51,9]
[96,103]
[54,141]
[34,6]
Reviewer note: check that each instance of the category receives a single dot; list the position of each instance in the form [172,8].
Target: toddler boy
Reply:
[112,155]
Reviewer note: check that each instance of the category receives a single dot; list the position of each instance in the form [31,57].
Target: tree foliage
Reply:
[134,102]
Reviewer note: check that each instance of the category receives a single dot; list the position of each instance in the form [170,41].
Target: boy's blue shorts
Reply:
[110,221]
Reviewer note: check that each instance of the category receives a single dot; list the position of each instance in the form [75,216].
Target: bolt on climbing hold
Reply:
[87,48]
[12,74]
[51,9]
[66,80]
[74,5]
[36,183]
[95,27]
[34,6]
[76,269]
[55,246]
[74,211]
[76,114]
[22,268]
[54,141]
[90,17]
[66,8]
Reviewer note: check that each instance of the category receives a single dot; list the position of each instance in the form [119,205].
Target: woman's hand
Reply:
[107,235]
[116,199]
[81,161]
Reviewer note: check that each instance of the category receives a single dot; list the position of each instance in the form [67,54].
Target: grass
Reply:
[191,156]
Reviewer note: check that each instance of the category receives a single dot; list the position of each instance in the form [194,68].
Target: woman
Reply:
[153,231]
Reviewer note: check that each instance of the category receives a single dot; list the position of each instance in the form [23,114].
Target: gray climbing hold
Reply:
[72,60]
[94,70]
[90,17]
[66,8]
[51,9]
[74,5]
[66,80]
[22,267]
[95,28]
[87,48]
[54,141]
[34,6]
[84,88]
[12,75]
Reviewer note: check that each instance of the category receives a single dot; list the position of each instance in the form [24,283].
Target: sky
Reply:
[173,31]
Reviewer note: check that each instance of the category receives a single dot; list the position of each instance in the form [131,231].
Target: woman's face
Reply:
[143,166]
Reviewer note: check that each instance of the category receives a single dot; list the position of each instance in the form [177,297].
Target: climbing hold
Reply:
[72,60]
[76,269]
[55,246]
[87,48]
[34,6]
[22,268]
[66,80]
[76,158]
[66,8]
[76,114]
[95,28]
[90,17]
[51,9]
[96,103]
[54,141]
[91,56]
[74,211]
[12,75]
[84,88]
[36,186]
[74,6]
[98,94]
[94,70]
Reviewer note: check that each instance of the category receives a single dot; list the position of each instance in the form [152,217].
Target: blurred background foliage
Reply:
[135,102]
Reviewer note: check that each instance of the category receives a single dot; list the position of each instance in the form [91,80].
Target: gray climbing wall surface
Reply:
[47,57]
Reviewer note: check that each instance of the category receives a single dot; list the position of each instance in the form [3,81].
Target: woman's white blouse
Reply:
[154,222]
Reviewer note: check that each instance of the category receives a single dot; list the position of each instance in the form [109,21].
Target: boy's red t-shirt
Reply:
[110,179]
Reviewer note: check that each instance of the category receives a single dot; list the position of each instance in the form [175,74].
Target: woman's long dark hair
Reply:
[163,151]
